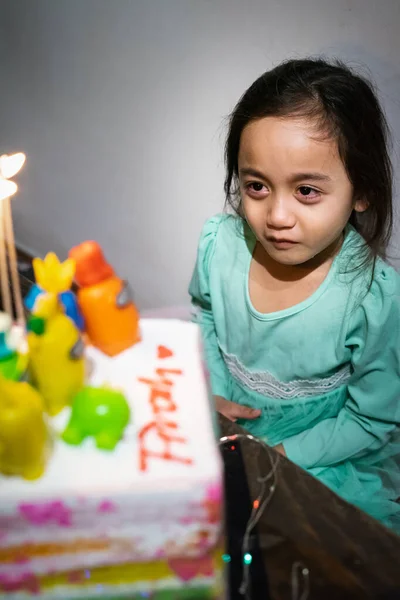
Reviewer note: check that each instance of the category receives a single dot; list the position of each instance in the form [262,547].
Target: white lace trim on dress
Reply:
[266,384]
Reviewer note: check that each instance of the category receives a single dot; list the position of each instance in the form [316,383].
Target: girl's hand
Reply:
[279,448]
[234,411]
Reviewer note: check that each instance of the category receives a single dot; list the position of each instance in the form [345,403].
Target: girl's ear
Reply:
[361,205]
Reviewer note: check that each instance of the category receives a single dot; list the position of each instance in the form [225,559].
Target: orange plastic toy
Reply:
[111,318]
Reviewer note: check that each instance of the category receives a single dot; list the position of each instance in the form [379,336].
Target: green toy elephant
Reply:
[102,413]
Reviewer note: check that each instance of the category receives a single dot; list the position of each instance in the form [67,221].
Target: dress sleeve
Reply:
[372,409]
[200,293]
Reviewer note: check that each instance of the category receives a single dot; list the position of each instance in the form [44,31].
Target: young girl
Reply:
[299,313]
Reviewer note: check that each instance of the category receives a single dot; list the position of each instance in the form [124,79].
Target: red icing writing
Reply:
[163,424]
[164,352]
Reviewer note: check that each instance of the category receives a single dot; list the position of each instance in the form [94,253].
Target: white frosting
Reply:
[105,494]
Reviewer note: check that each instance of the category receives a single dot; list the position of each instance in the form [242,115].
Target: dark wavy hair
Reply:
[345,107]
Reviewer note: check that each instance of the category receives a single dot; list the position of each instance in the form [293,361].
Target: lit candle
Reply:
[9,167]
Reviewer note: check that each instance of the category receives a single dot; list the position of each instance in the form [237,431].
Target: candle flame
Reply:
[7,188]
[11,164]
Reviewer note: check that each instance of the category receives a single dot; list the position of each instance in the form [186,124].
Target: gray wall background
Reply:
[121,108]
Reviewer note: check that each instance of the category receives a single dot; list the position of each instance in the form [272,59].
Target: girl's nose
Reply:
[279,213]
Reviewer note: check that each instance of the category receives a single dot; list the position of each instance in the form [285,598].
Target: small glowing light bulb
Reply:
[247,559]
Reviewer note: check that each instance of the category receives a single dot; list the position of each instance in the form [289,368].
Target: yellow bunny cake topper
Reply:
[52,275]
[56,353]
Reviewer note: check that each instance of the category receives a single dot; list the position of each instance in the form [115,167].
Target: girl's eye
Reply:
[308,193]
[256,189]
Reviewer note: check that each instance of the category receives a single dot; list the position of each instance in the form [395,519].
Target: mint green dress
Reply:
[325,373]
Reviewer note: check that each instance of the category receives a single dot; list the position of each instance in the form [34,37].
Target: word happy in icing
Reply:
[163,424]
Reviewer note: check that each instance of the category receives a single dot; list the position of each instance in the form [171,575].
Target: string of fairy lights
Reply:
[300,584]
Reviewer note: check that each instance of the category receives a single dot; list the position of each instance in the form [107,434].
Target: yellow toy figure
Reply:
[55,277]
[56,354]
[23,431]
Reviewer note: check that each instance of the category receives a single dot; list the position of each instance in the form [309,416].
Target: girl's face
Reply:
[296,195]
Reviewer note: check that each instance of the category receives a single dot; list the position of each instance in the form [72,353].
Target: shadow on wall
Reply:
[183,313]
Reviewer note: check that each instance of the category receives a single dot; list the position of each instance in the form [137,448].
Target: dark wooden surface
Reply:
[348,554]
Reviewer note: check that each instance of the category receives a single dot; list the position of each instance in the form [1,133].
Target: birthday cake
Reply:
[154,501]
[110,475]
